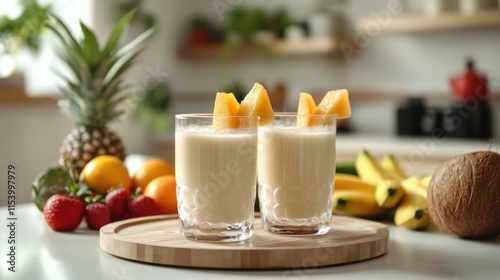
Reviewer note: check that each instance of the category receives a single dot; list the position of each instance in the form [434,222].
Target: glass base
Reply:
[296,227]
[217,232]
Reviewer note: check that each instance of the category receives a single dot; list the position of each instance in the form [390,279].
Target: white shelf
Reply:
[310,46]
[447,21]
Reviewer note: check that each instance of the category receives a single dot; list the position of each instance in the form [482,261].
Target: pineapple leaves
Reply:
[90,46]
[65,28]
[128,53]
[74,106]
[137,41]
[94,81]
[121,64]
[74,87]
[77,65]
[117,35]
[72,96]
[110,88]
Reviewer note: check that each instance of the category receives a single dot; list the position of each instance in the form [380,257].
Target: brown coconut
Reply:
[464,195]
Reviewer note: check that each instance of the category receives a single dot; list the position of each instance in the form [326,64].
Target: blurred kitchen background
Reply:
[423,76]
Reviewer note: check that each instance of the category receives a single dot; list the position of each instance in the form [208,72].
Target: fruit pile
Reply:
[94,97]
[104,193]
[369,189]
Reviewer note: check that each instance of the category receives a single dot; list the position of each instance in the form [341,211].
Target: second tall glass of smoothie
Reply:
[296,169]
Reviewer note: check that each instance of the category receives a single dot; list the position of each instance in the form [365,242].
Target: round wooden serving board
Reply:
[156,239]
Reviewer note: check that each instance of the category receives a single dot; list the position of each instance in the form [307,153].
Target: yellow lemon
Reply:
[105,172]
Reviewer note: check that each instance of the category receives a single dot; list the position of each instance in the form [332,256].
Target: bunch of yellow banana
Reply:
[376,189]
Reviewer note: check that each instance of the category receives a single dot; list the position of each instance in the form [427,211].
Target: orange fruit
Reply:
[225,105]
[257,103]
[105,172]
[307,106]
[163,191]
[149,171]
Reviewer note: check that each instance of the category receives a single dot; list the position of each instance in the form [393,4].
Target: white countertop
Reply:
[45,254]
[425,146]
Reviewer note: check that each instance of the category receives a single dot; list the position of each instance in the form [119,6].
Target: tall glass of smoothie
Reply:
[296,169]
[216,173]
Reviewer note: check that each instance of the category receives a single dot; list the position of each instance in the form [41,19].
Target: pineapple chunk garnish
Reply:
[335,102]
[307,106]
[225,105]
[257,103]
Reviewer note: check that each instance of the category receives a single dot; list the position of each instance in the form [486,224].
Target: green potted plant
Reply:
[261,21]
[150,106]
[25,30]
[279,22]
[22,32]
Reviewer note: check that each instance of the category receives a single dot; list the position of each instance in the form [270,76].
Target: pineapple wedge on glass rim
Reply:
[94,89]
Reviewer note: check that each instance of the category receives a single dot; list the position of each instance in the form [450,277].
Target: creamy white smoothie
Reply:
[216,177]
[296,169]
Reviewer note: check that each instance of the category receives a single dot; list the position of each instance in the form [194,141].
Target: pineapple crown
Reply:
[93,90]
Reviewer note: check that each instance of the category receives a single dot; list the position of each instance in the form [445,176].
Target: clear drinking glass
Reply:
[216,172]
[296,169]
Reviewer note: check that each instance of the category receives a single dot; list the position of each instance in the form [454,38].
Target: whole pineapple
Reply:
[94,89]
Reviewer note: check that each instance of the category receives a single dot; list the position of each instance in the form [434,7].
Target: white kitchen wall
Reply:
[32,135]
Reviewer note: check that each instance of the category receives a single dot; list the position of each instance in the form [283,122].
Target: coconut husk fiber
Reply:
[464,195]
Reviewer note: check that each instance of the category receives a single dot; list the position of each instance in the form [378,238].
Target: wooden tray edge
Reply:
[317,260]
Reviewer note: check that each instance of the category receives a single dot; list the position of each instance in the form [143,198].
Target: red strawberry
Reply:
[117,203]
[63,213]
[126,216]
[142,206]
[97,215]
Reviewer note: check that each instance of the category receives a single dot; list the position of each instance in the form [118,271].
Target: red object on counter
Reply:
[199,36]
[470,84]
